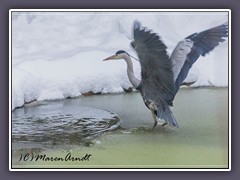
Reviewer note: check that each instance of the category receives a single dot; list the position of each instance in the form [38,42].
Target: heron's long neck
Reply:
[135,82]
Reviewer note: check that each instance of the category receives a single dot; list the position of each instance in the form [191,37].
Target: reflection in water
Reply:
[59,128]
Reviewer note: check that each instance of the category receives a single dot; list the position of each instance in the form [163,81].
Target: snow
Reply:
[57,55]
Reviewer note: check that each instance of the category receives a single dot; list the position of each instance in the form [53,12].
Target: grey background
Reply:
[5,5]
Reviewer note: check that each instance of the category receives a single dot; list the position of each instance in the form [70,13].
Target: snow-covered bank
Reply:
[58,55]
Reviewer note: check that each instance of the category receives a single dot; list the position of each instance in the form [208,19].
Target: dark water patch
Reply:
[53,126]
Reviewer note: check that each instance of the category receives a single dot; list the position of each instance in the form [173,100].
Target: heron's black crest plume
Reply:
[121,51]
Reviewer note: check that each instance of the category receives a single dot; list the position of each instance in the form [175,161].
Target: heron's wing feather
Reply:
[188,51]
[156,68]
[157,84]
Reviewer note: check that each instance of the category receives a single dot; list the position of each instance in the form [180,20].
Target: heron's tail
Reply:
[166,114]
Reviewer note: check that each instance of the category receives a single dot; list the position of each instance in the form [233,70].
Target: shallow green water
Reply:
[200,142]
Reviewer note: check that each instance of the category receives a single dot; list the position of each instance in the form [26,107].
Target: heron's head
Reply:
[118,55]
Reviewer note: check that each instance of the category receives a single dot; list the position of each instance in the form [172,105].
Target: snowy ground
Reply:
[59,54]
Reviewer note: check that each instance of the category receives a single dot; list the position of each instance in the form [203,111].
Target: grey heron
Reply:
[162,75]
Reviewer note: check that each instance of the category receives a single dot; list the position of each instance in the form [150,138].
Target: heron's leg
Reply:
[155,119]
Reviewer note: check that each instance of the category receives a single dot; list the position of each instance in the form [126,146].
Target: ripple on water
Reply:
[42,127]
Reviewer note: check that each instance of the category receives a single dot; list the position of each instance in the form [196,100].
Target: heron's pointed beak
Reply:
[110,58]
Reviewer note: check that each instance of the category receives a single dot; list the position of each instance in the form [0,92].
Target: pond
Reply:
[114,131]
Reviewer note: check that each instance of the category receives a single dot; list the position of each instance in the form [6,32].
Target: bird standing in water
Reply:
[162,75]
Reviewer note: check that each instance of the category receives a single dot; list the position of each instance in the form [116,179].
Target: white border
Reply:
[229,88]
[118,10]
[10,91]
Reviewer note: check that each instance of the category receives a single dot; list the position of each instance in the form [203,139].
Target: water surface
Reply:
[201,141]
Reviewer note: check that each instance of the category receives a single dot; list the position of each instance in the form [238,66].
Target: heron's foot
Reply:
[141,130]
[164,124]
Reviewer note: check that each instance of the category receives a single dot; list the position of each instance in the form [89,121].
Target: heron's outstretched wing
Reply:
[157,84]
[188,51]
[156,68]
